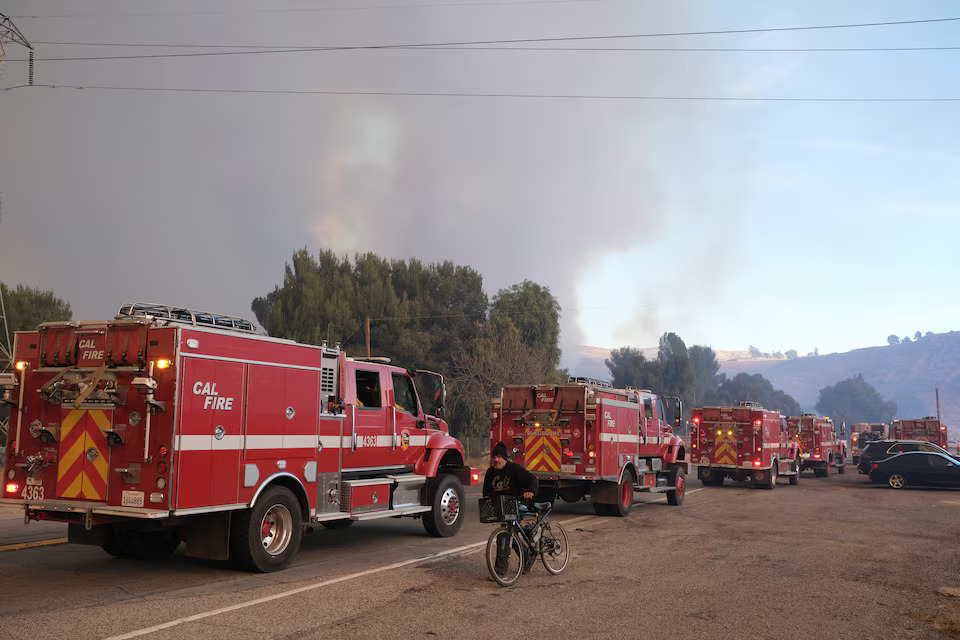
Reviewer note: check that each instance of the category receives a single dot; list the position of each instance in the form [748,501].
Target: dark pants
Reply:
[503,554]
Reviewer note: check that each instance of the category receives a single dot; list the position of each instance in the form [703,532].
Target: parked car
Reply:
[917,468]
[883,449]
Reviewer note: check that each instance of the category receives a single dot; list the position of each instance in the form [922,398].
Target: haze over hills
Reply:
[906,373]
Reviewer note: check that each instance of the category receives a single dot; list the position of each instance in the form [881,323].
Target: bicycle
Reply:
[522,535]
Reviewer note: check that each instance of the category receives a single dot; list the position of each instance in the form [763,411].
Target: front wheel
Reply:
[504,556]
[446,514]
[624,502]
[896,481]
[554,549]
[675,496]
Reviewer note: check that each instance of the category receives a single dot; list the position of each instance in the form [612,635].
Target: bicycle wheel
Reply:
[554,550]
[504,556]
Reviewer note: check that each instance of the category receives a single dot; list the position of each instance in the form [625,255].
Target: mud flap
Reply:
[208,536]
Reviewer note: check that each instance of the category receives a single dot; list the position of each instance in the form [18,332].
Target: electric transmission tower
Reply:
[10,34]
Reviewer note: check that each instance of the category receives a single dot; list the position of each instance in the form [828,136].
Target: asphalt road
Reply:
[830,558]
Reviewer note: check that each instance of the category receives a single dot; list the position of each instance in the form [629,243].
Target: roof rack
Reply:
[750,404]
[186,316]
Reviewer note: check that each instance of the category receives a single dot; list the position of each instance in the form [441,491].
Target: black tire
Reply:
[624,504]
[572,494]
[510,573]
[554,548]
[546,495]
[446,513]
[771,483]
[896,481]
[842,469]
[794,479]
[267,537]
[675,496]
[337,524]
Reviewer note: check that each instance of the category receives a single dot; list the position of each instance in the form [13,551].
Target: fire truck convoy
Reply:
[585,438]
[746,442]
[862,434]
[927,429]
[167,425]
[822,447]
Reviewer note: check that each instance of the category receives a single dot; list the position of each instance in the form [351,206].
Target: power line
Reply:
[537,96]
[313,10]
[468,43]
[470,48]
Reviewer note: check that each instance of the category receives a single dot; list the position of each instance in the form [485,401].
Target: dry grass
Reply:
[947,622]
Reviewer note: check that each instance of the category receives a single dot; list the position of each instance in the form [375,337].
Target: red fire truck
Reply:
[167,425]
[822,447]
[745,442]
[927,429]
[862,434]
[584,438]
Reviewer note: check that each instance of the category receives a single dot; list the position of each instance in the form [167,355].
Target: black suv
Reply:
[883,449]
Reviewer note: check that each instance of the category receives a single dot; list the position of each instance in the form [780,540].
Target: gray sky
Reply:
[705,218]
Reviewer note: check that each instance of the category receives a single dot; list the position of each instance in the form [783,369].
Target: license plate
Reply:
[132,499]
[568,468]
[804,455]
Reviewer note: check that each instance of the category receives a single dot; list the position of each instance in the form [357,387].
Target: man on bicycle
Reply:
[511,479]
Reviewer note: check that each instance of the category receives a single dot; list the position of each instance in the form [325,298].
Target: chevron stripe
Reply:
[543,453]
[724,453]
[78,477]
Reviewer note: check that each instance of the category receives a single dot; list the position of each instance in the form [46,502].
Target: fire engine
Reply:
[166,425]
[862,434]
[746,442]
[584,438]
[927,429]
[822,447]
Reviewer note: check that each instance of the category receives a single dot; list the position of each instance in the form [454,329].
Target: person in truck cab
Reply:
[505,478]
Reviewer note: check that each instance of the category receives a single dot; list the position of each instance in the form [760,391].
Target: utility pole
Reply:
[10,33]
[368,335]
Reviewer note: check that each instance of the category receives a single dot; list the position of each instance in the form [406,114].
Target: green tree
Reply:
[854,400]
[917,336]
[792,354]
[754,352]
[531,310]
[27,307]
[676,372]
[893,339]
[630,368]
[706,373]
[756,388]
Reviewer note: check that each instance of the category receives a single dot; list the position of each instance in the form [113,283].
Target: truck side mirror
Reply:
[678,418]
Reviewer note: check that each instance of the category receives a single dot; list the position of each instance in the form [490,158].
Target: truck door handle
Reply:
[353,427]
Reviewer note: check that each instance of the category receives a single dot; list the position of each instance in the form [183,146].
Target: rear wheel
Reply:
[624,502]
[675,496]
[602,509]
[842,469]
[504,556]
[267,537]
[572,494]
[446,515]
[896,481]
[554,550]
[794,479]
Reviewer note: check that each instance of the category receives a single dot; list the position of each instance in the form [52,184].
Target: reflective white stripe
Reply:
[207,443]
[620,437]
[418,441]
[281,442]
[767,445]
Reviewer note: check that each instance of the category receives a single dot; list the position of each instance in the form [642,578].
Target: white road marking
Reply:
[465,549]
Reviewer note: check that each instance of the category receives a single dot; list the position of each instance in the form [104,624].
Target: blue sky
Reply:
[783,225]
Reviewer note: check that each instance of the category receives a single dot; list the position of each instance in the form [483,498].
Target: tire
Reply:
[572,494]
[771,483]
[546,495]
[554,548]
[336,524]
[896,481]
[675,496]
[267,537]
[514,564]
[842,469]
[794,479]
[624,504]
[446,514]
[827,471]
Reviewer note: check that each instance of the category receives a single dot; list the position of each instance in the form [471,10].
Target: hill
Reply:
[907,373]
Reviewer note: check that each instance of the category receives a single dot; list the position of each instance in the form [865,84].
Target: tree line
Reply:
[437,316]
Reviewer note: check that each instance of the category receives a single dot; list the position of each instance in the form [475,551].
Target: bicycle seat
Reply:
[542,506]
